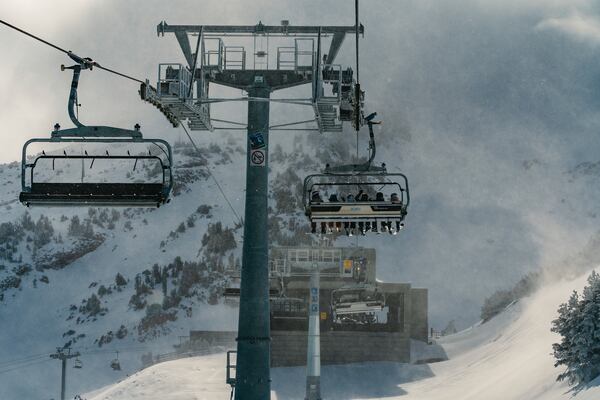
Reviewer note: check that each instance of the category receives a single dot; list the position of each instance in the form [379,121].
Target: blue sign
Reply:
[257,141]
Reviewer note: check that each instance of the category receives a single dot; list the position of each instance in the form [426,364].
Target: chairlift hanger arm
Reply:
[82,130]
[73,94]
[366,167]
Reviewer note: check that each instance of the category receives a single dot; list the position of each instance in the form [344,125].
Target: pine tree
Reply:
[590,329]
[43,231]
[27,222]
[164,281]
[120,280]
[74,226]
[578,323]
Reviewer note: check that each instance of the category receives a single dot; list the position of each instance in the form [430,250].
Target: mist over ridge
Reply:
[487,107]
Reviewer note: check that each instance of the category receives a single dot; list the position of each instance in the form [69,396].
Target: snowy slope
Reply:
[130,249]
[508,358]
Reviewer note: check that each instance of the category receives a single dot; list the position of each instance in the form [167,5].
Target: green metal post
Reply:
[253,348]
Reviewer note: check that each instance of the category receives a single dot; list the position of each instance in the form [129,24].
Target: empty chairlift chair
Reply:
[86,146]
[46,192]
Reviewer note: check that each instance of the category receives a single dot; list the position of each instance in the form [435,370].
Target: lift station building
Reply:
[361,319]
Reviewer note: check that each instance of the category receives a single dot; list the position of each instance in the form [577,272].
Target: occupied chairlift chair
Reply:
[363,213]
[95,194]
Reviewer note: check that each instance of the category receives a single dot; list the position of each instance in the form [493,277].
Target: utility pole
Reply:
[63,357]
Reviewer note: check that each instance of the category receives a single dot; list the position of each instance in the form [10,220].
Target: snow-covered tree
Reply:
[218,240]
[120,280]
[43,231]
[578,323]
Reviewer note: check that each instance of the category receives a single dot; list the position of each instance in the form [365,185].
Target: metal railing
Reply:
[330,74]
[286,58]
[231,366]
[213,57]
[234,58]
[173,80]
[301,54]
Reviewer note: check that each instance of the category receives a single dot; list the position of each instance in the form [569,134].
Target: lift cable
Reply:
[70,53]
[357,91]
[10,368]
[357,33]
[26,359]
[240,221]
[13,365]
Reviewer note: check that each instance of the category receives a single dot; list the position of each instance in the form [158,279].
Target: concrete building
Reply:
[384,336]
[361,319]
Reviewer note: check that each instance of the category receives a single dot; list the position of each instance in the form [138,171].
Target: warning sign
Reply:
[257,158]
[348,264]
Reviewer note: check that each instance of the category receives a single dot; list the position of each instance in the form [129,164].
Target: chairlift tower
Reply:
[182,94]
[63,357]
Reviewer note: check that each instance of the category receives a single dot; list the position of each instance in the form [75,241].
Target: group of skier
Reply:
[361,196]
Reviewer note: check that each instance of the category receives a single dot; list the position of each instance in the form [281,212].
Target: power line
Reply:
[24,365]
[213,177]
[70,53]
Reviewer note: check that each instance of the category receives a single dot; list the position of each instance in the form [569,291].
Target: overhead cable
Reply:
[70,53]
[240,221]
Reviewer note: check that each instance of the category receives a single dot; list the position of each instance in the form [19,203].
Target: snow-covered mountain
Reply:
[129,280]
[507,358]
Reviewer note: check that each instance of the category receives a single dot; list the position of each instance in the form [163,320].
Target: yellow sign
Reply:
[323,316]
[347,266]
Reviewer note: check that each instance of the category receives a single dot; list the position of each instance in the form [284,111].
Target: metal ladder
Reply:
[326,115]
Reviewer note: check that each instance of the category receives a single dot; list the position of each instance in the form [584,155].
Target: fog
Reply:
[487,106]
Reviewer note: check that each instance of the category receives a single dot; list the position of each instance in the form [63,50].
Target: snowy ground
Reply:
[506,358]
